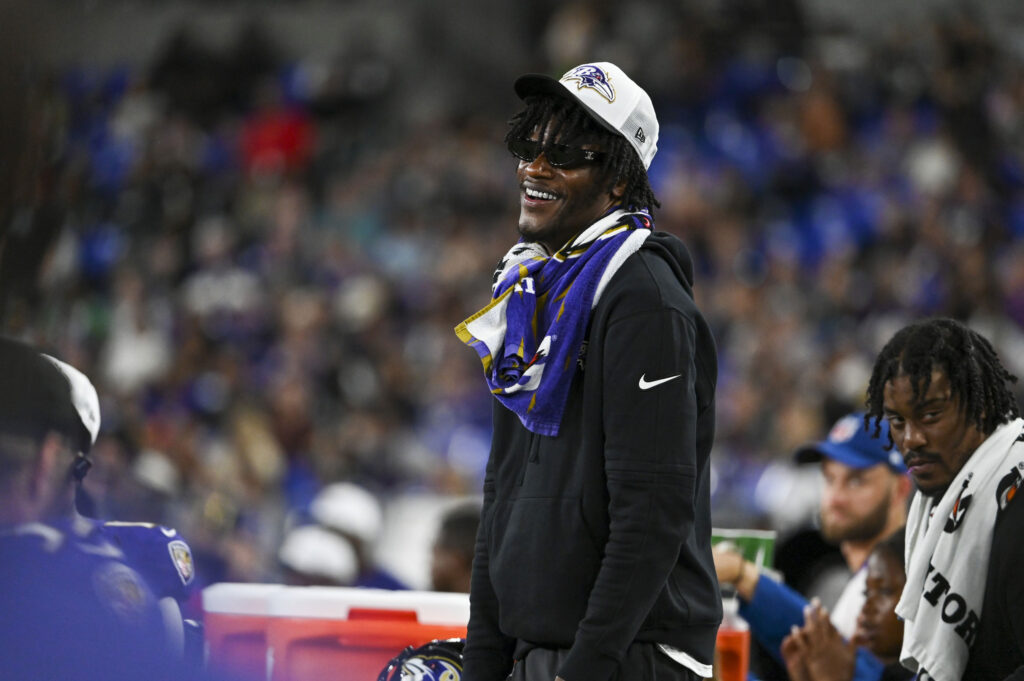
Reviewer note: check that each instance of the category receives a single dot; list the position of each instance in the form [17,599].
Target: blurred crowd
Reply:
[259,259]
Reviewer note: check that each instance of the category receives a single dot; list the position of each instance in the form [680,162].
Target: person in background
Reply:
[593,559]
[864,500]
[451,562]
[878,628]
[947,398]
[817,652]
[159,554]
[105,617]
[354,514]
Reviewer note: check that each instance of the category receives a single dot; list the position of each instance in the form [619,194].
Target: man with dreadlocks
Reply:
[593,558]
[955,420]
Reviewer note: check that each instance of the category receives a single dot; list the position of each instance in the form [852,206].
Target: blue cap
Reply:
[850,443]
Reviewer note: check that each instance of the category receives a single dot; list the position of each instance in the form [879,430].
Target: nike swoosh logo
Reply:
[647,385]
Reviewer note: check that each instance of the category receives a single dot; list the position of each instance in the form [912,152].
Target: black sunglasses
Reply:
[557,155]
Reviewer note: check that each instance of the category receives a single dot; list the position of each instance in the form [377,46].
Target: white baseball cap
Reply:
[84,398]
[41,395]
[612,98]
[314,551]
[349,508]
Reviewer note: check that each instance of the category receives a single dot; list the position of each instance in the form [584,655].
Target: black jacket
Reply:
[601,536]
[998,649]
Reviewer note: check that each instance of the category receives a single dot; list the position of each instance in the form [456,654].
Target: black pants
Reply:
[643,662]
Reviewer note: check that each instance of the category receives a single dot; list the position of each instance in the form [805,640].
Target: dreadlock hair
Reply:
[977,378]
[572,124]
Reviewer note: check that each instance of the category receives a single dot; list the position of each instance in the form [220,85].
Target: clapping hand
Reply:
[816,651]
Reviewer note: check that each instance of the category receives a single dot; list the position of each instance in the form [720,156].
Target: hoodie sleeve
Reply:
[650,416]
[776,608]
[772,613]
[488,652]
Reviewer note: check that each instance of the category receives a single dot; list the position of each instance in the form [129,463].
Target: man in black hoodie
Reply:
[593,558]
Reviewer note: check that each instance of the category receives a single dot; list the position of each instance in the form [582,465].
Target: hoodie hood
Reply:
[672,250]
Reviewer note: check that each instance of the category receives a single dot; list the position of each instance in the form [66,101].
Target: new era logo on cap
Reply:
[640,135]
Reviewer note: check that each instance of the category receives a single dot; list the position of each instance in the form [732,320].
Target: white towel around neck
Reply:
[947,551]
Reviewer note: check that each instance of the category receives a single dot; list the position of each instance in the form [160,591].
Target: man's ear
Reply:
[619,190]
[44,477]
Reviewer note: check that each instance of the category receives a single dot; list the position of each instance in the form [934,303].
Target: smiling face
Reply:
[555,204]
[931,431]
[878,628]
